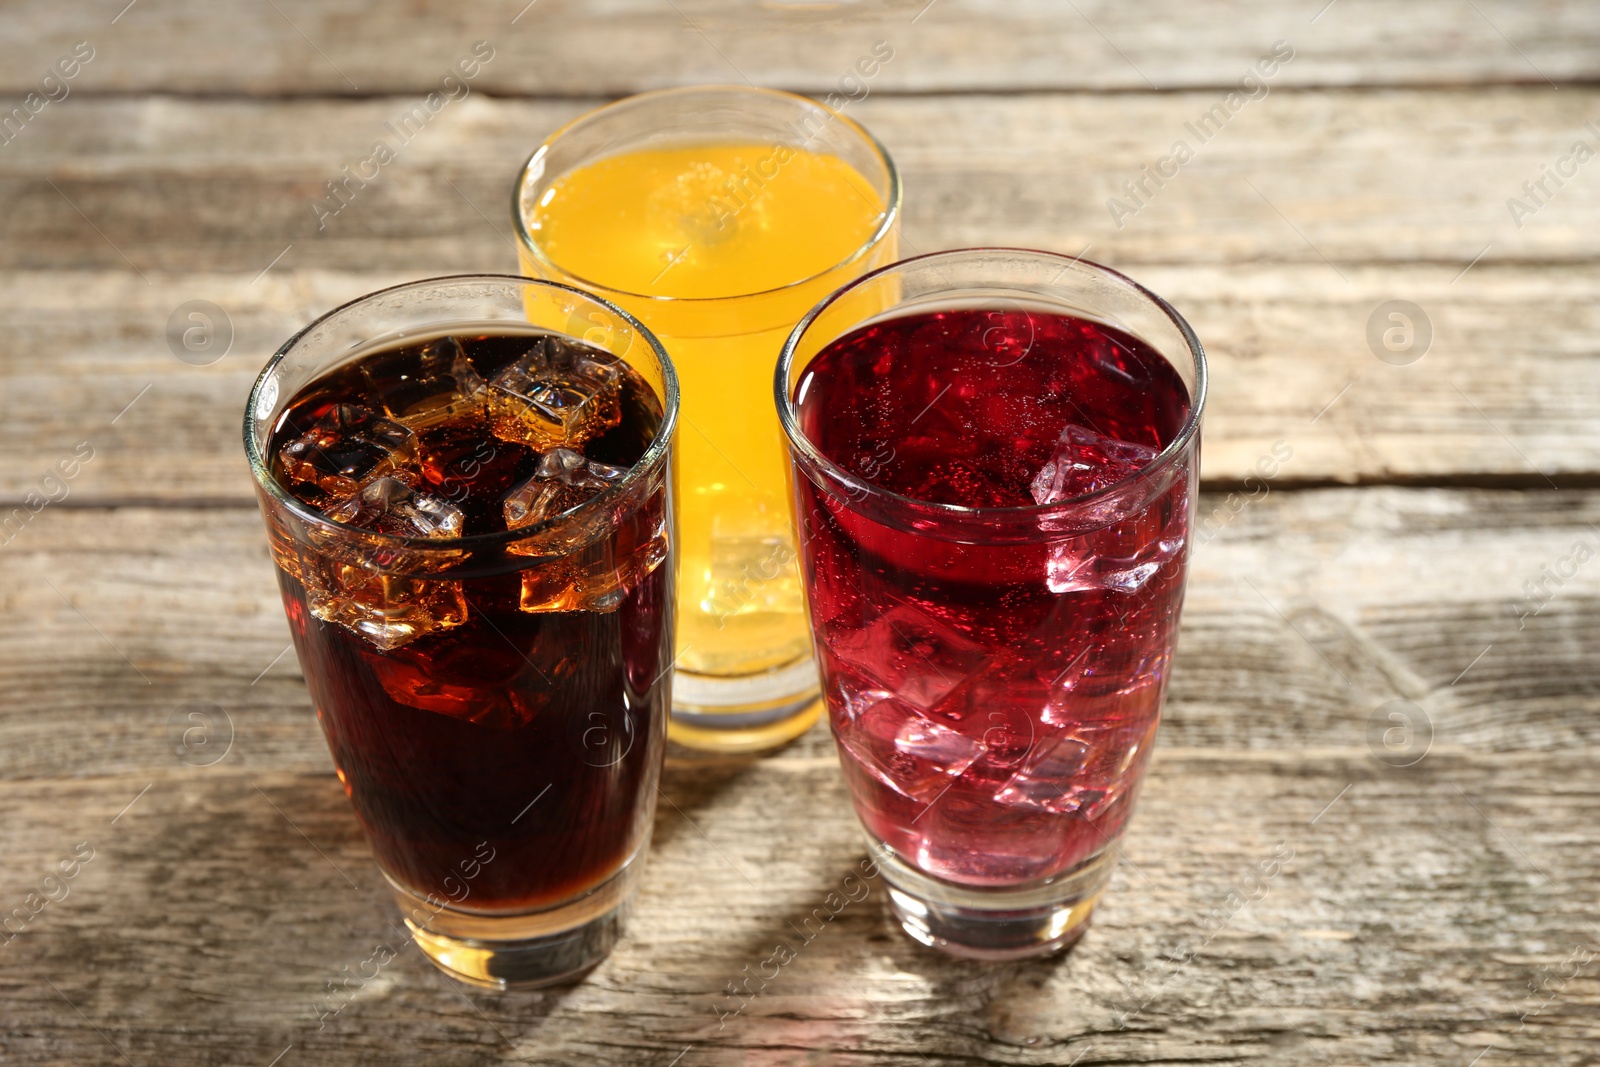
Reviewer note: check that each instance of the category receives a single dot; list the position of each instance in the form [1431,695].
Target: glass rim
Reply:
[1164,459]
[653,457]
[886,220]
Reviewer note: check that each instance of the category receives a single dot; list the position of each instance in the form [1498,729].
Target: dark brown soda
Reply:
[508,759]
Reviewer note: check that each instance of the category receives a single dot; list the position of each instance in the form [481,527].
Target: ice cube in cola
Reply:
[345,446]
[555,395]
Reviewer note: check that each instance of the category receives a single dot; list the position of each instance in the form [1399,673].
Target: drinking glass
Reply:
[698,252]
[994,674]
[501,751]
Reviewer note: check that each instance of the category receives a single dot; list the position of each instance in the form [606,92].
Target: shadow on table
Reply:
[823,975]
[692,781]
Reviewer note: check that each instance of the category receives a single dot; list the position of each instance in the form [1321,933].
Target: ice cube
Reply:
[596,576]
[354,585]
[902,748]
[563,480]
[573,583]
[1103,560]
[1066,690]
[289,552]
[1083,772]
[1128,551]
[391,505]
[555,395]
[1047,779]
[1119,680]
[593,577]
[437,384]
[347,447]
[918,658]
[574,468]
[752,572]
[1086,462]
[389,610]
[650,546]
[998,705]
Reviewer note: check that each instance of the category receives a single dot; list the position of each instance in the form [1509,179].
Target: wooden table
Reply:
[1425,536]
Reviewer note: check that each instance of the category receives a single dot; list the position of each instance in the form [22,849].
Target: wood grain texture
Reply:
[1510,389]
[1335,179]
[1407,928]
[1431,913]
[133,187]
[1506,391]
[576,47]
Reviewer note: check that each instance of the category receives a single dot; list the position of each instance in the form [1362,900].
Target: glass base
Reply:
[745,713]
[526,950]
[995,923]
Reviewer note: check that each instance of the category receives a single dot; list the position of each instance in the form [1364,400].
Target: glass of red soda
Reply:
[466,484]
[995,455]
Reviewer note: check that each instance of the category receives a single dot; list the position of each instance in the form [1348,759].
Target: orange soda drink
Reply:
[719,217]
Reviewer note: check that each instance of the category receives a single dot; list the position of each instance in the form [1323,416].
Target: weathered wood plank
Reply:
[1506,390]
[1334,179]
[1431,913]
[1307,612]
[567,46]
[1510,388]
[1408,927]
